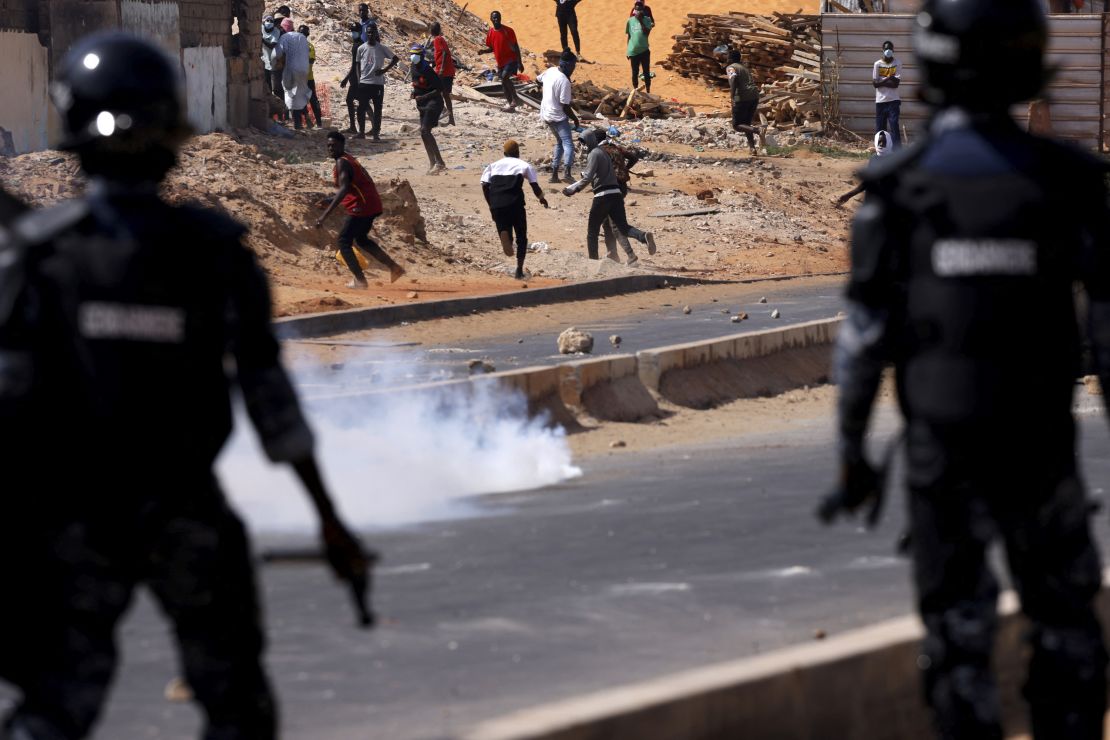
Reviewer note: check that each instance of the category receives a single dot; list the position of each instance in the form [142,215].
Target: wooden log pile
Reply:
[782,50]
[606,101]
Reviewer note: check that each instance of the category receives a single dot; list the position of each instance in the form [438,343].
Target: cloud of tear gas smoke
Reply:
[398,458]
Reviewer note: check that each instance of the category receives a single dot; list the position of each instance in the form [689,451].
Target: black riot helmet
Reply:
[121,99]
[981,53]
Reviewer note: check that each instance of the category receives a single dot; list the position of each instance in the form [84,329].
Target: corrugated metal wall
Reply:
[912,6]
[1075,49]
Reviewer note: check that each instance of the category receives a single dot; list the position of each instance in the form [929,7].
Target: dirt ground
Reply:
[774,215]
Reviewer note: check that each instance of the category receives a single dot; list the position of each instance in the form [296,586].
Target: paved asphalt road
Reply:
[390,362]
[647,564]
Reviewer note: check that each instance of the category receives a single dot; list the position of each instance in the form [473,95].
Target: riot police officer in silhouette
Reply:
[964,257]
[124,324]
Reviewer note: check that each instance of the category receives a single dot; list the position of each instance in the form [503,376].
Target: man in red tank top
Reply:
[361,201]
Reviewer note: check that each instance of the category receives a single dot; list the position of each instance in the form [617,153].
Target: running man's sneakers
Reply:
[650,239]
[519,274]
[506,243]
[358,284]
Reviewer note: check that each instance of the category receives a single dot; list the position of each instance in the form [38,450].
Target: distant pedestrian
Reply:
[503,188]
[882,148]
[745,96]
[444,65]
[292,47]
[374,61]
[351,80]
[886,76]
[646,10]
[313,101]
[270,35]
[427,91]
[608,200]
[637,29]
[567,17]
[359,198]
[501,40]
[557,113]
[366,19]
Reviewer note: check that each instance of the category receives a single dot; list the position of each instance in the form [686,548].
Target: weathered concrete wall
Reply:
[25,111]
[159,21]
[206,87]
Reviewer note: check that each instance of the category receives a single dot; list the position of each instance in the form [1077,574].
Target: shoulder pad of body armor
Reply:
[1068,158]
[41,225]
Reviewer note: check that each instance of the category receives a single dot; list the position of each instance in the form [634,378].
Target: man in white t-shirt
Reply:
[886,77]
[557,113]
[374,60]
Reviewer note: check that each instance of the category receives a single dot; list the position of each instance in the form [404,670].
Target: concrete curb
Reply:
[356,319]
[704,374]
[624,387]
[861,685]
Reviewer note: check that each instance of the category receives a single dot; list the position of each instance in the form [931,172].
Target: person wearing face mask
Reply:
[292,49]
[557,113]
[374,61]
[886,77]
[355,33]
[501,41]
[637,29]
[270,35]
[427,91]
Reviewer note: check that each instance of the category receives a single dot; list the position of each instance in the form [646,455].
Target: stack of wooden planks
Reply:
[609,102]
[782,50]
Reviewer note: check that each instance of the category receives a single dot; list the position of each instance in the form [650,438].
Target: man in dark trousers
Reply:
[886,77]
[745,97]
[427,91]
[503,188]
[608,201]
[957,235]
[351,80]
[501,41]
[375,60]
[567,17]
[106,333]
[359,197]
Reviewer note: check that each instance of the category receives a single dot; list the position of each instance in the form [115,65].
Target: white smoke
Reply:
[392,459]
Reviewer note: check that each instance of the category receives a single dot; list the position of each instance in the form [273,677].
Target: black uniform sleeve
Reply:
[271,401]
[16,367]
[861,350]
[1095,274]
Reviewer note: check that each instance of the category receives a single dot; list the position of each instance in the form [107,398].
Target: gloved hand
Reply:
[860,486]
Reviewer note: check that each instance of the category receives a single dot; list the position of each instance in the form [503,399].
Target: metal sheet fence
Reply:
[1076,92]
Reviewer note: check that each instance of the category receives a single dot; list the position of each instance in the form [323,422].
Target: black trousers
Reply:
[513,219]
[367,95]
[963,498]
[641,61]
[352,98]
[314,102]
[569,21]
[194,556]
[356,230]
[608,207]
[743,113]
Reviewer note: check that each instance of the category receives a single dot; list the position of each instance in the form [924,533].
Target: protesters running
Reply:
[501,40]
[557,113]
[503,188]
[427,91]
[745,97]
[374,61]
[608,197]
[637,29]
[292,48]
[444,65]
[567,17]
[313,101]
[623,160]
[361,201]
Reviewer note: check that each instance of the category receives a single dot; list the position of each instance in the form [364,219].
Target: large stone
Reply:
[401,209]
[575,340]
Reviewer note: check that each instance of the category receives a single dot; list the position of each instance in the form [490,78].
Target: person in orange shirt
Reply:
[359,197]
[501,40]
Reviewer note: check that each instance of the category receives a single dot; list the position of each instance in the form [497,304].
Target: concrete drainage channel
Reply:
[627,387]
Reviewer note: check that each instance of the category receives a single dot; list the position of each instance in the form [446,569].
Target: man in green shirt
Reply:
[637,29]
[745,97]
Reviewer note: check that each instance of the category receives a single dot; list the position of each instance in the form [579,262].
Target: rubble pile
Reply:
[782,50]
